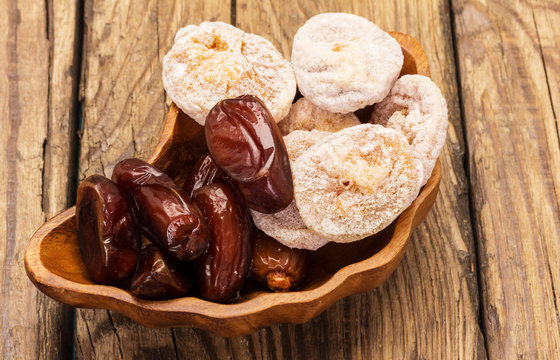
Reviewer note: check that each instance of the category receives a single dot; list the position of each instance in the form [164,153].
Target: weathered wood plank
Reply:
[429,307]
[60,153]
[413,316]
[35,169]
[509,71]
[124,106]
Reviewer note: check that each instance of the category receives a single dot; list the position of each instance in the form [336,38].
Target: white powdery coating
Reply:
[344,62]
[355,182]
[416,108]
[299,141]
[216,61]
[304,115]
[286,226]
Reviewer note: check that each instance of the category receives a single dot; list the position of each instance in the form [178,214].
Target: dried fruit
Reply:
[367,175]
[286,226]
[344,62]
[221,271]
[107,233]
[304,115]
[164,210]
[205,172]
[215,61]
[246,144]
[416,108]
[157,277]
[275,265]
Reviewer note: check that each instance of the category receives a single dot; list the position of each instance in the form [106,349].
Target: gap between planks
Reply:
[466,168]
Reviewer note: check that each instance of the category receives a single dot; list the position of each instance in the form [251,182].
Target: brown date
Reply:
[156,277]
[275,265]
[107,233]
[245,143]
[222,270]
[205,172]
[163,210]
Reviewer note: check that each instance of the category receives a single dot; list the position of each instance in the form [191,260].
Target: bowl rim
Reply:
[206,314]
[42,276]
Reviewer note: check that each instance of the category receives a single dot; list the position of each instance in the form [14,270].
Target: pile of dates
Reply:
[200,238]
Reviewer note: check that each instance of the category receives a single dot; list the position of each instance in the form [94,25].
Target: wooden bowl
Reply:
[54,264]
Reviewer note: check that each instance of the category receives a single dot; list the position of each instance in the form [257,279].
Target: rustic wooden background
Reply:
[81,88]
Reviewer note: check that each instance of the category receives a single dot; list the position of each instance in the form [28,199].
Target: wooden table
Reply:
[81,88]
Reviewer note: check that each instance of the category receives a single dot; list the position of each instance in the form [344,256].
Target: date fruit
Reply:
[246,144]
[156,277]
[222,270]
[107,233]
[205,172]
[164,211]
[275,265]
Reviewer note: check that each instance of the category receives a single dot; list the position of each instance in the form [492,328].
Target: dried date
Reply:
[107,233]
[222,270]
[276,266]
[156,277]
[164,211]
[246,144]
[205,172]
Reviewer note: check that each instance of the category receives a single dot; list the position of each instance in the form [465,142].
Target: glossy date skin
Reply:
[222,270]
[107,233]
[205,172]
[276,266]
[246,144]
[163,210]
[156,277]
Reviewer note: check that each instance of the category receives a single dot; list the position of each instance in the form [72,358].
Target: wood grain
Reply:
[411,321]
[509,70]
[60,156]
[124,108]
[429,307]
[33,151]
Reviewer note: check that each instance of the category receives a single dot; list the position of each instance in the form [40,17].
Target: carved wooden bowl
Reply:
[54,264]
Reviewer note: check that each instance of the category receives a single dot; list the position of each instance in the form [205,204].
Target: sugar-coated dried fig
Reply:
[246,144]
[157,277]
[107,233]
[205,172]
[222,270]
[164,211]
[275,265]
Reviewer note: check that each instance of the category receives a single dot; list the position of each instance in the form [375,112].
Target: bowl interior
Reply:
[182,143]
[59,252]
[54,263]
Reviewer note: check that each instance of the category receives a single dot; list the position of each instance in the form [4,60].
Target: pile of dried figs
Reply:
[202,233]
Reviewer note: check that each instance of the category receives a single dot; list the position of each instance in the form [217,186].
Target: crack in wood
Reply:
[174,343]
[116,333]
[466,168]
[89,335]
